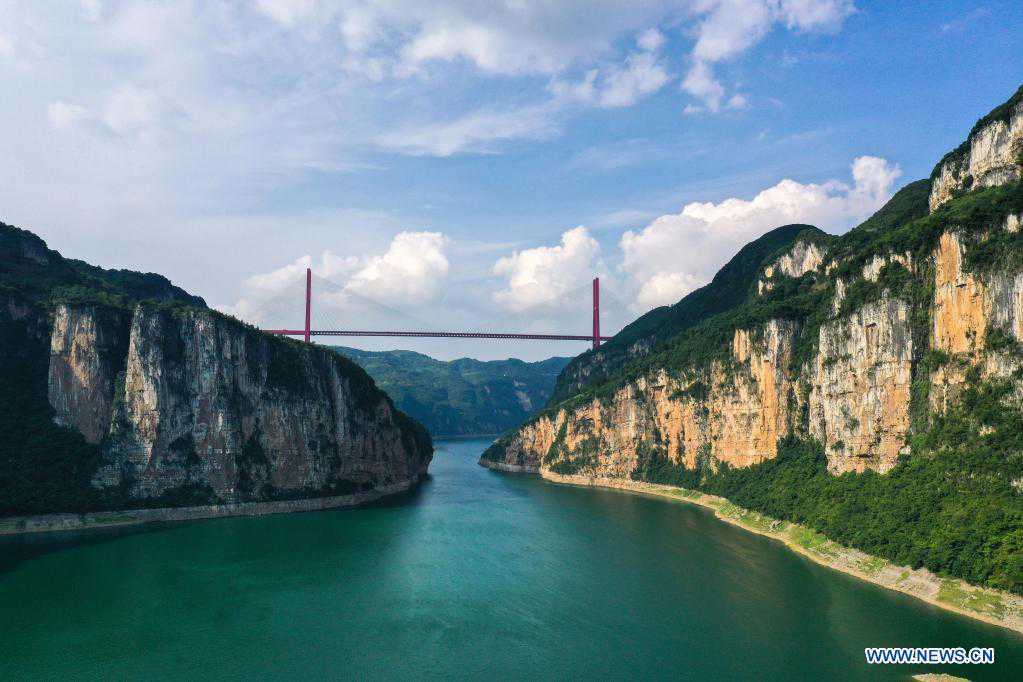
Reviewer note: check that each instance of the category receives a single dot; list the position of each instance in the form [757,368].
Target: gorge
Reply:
[866,386]
[121,391]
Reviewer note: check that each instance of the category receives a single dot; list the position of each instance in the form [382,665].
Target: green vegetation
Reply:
[42,466]
[653,331]
[42,275]
[806,301]
[952,506]
[954,503]
[45,467]
[1000,113]
[461,397]
[952,592]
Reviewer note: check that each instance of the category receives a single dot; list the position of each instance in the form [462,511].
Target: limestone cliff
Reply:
[992,154]
[175,404]
[860,387]
[847,341]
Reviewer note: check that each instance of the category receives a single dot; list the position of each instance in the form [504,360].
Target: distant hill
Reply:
[461,397]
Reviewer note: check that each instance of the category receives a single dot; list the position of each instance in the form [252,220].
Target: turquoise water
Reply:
[475,575]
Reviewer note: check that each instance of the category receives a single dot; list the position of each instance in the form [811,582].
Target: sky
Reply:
[473,165]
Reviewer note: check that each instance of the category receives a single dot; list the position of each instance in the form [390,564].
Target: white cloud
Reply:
[63,115]
[474,132]
[287,12]
[665,288]
[618,85]
[6,46]
[816,15]
[650,40]
[93,9]
[641,75]
[539,277]
[679,251]
[412,271]
[728,28]
[701,84]
[330,266]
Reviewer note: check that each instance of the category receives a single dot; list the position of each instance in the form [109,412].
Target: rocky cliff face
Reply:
[745,272]
[191,398]
[871,332]
[170,403]
[992,155]
[853,396]
[859,381]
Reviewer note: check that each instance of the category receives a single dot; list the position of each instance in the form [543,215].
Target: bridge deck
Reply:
[441,335]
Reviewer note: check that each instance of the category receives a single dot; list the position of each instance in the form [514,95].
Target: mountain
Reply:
[868,385]
[461,397]
[727,289]
[119,390]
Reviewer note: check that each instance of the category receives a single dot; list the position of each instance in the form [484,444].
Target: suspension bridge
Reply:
[308,331]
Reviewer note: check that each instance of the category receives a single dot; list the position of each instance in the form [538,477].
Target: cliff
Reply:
[727,290]
[991,155]
[867,385]
[118,390]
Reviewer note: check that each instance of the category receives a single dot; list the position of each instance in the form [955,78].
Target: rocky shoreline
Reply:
[996,607]
[47,523]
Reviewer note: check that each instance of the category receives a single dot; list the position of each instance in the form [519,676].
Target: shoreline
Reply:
[55,523]
[995,607]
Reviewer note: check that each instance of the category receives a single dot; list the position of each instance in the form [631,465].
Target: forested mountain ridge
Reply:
[119,390]
[868,385]
[461,397]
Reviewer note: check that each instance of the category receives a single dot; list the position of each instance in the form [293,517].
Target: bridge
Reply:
[307,333]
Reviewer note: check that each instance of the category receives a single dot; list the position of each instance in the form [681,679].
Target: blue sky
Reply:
[473,163]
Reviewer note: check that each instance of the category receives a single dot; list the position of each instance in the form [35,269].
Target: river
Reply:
[477,575]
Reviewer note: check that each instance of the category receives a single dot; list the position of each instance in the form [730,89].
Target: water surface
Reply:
[475,575]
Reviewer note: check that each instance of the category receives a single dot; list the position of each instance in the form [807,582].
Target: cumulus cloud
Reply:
[410,272]
[540,277]
[665,288]
[678,252]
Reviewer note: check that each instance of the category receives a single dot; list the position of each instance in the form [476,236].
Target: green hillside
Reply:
[461,397]
[653,330]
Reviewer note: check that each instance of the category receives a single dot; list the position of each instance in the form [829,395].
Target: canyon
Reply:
[121,398]
[816,371]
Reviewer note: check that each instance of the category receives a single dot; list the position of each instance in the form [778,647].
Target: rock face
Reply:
[87,351]
[802,258]
[191,398]
[992,155]
[728,289]
[853,395]
[119,390]
[860,387]
[874,332]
